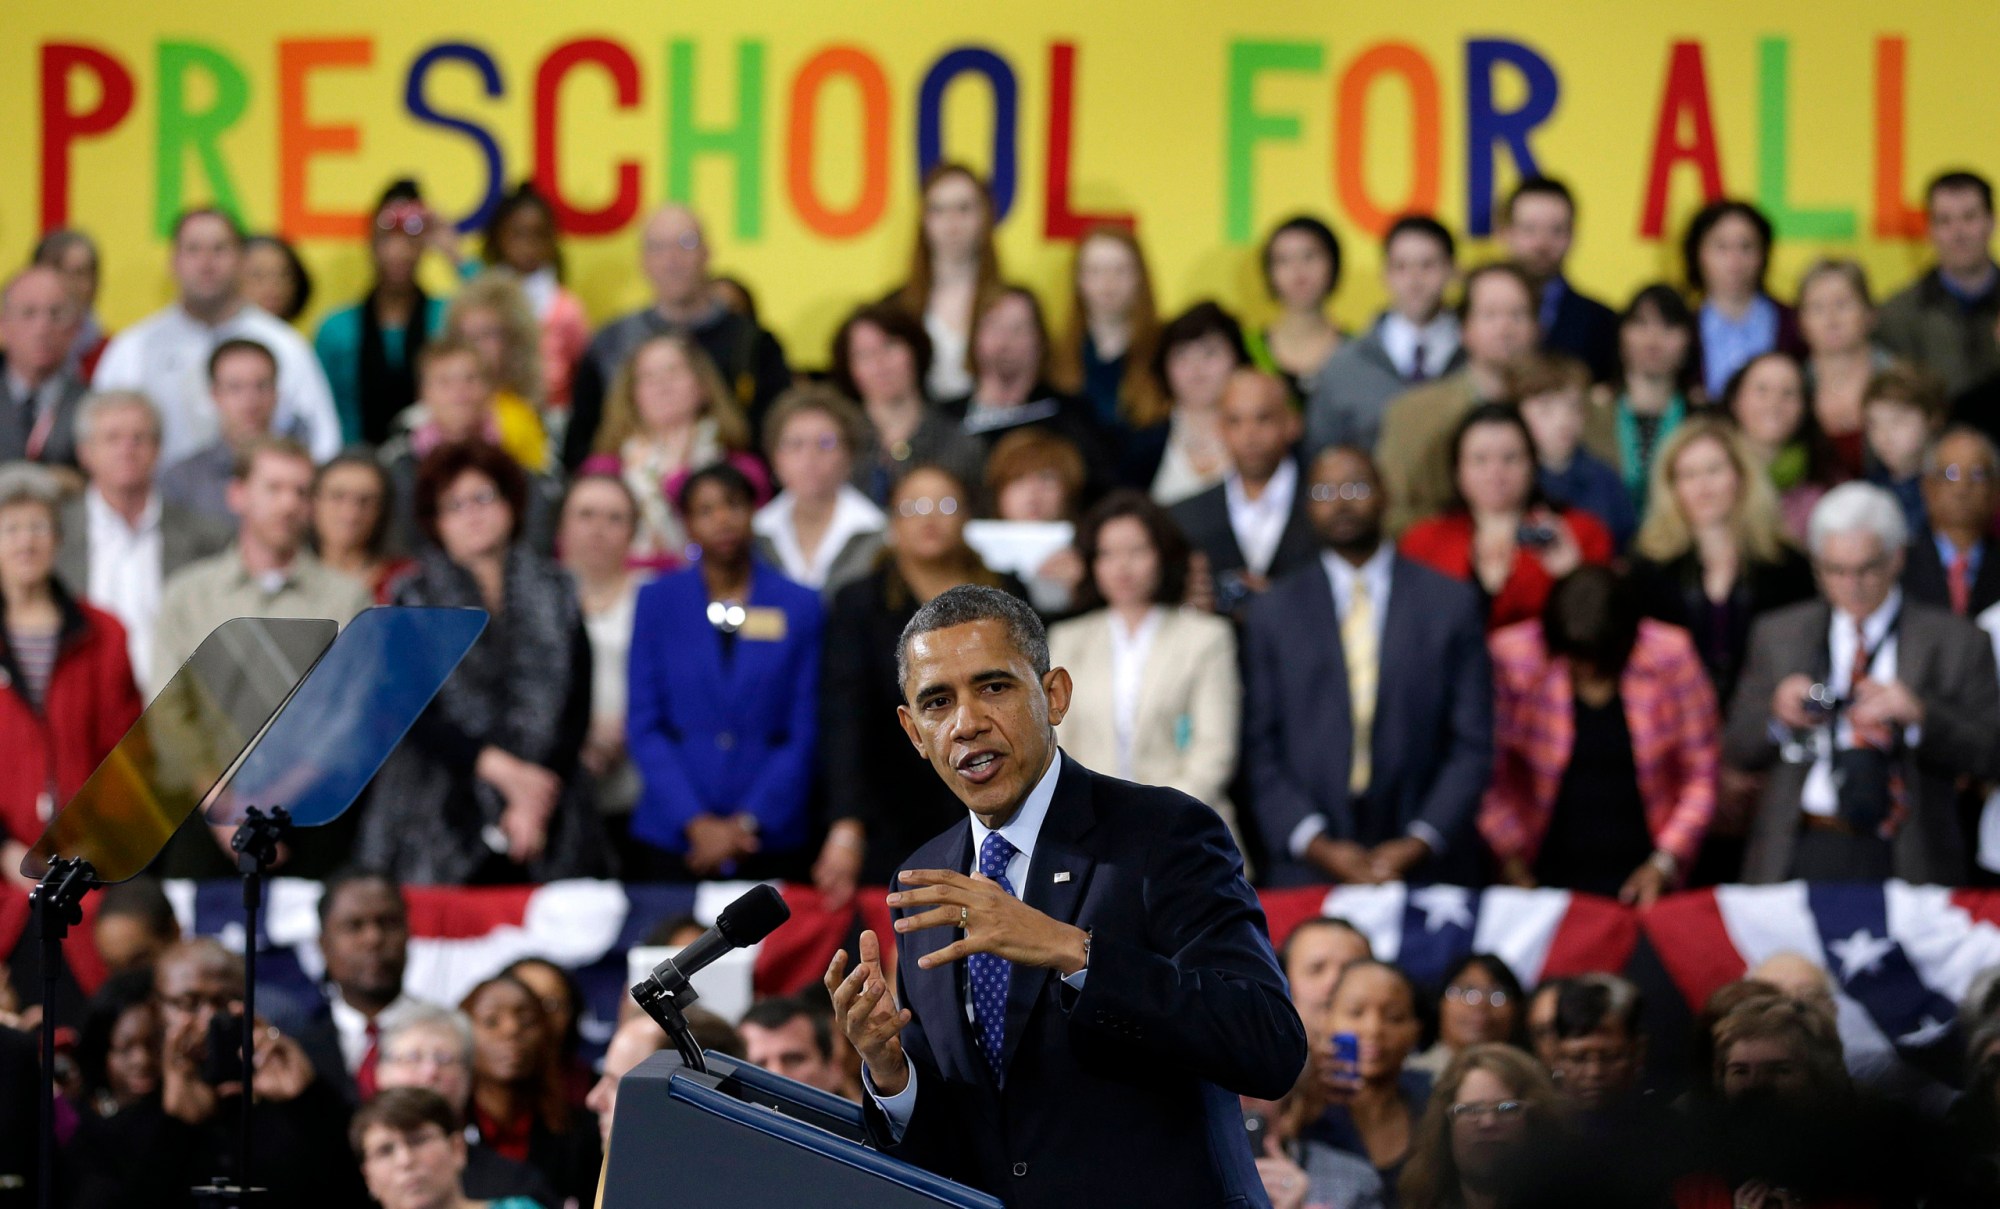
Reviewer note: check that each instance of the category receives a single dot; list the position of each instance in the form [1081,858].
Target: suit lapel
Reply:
[1058,851]
[1395,657]
[1297,545]
[936,996]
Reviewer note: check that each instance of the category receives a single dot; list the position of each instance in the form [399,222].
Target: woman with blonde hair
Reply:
[954,269]
[1106,353]
[492,315]
[669,414]
[1490,1108]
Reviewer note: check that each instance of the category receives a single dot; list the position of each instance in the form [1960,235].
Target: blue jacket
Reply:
[1592,484]
[716,736]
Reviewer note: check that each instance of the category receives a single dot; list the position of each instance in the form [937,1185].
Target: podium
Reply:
[739,1137]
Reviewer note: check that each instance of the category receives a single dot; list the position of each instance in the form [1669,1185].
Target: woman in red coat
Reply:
[1501,534]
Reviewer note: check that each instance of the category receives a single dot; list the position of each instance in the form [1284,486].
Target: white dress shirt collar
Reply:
[1259,524]
[98,511]
[853,514]
[1376,573]
[1024,828]
[1439,339]
[350,1024]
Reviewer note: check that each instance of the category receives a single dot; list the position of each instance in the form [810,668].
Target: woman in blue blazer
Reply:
[724,681]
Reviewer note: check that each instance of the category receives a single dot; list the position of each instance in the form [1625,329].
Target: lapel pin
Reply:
[1062,877]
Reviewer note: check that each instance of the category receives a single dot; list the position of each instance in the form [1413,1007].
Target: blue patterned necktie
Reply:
[990,974]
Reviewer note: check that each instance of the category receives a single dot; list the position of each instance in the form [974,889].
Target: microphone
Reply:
[752,917]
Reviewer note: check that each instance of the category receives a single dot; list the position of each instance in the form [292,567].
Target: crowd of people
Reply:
[1506,587]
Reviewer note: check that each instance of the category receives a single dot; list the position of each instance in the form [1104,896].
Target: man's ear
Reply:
[233,495]
[1056,683]
[909,721]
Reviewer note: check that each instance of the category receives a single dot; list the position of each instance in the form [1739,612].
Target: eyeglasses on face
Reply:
[1476,997]
[1326,493]
[483,498]
[1481,1110]
[924,505]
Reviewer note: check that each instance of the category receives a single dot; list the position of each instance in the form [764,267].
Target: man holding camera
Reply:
[1868,708]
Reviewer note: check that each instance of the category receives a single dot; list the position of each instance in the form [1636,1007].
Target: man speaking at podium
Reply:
[1086,980]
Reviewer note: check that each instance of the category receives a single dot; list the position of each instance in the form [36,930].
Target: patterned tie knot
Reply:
[994,854]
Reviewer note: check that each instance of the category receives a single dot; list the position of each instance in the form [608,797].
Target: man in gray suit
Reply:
[38,397]
[1867,708]
[120,539]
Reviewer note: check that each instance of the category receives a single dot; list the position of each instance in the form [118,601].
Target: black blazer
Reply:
[1672,592]
[1431,751]
[1204,519]
[1123,1093]
[1924,577]
[321,1042]
[1587,330]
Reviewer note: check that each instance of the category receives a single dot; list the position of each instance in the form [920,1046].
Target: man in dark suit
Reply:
[1251,528]
[1368,702]
[364,934]
[1083,1011]
[1866,790]
[1950,564]
[1538,227]
[38,396]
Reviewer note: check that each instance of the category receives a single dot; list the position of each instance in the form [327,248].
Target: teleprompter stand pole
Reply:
[58,905]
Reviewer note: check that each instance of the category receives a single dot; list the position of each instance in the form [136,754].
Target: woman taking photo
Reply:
[520,1104]
[1105,356]
[521,237]
[351,508]
[668,415]
[1658,382]
[1372,1103]
[1727,252]
[1605,742]
[1301,273]
[487,786]
[1181,730]
[953,270]
[883,798]
[369,350]
[1199,350]
[1837,321]
[1772,407]
[819,530]
[1501,534]
[723,709]
[881,356]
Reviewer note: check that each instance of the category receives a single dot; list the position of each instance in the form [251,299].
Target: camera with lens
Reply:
[1534,535]
[1823,701]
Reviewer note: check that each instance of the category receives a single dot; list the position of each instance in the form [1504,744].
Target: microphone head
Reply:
[752,917]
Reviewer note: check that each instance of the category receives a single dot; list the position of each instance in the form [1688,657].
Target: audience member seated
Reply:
[880,356]
[118,1049]
[166,354]
[1726,254]
[1837,323]
[66,689]
[243,386]
[1374,1102]
[1944,320]
[883,799]
[488,788]
[786,1038]
[1312,958]
[1105,355]
[562,1001]
[954,273]
[38,323]
[1501,534]
[412,1149]
[1034,483]
[1491,1125]
[819,529]
[1365,636]
[73,255]
[1199,351]
[674,259]
[122,542]
[1482,1002]
[1414,340]
[364,936]
[492,315]
[187,1132]
[1628,1144]
[1157,698]
[352,501]
[1497,320]
[431,1047]
[1867,707]
[1542,1020]
[1902,411]
[636,1040]
[135,924]
[599,518]
[1538,227]
[1301,264]
[1252,528]
[1949,564]
[372,350]
[1009,356]
[668,415]
[275,280]
[1656,388]
[521,238]
[519,1104]
[724,701]
[1605,738]
[1550,390]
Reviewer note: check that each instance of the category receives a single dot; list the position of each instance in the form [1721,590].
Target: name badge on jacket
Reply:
[763,624]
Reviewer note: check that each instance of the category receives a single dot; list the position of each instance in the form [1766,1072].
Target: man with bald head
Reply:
[673,255]
[38,397]
[1252,527]
[1368,702]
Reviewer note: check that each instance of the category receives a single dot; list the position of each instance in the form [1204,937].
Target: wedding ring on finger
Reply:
[964,917]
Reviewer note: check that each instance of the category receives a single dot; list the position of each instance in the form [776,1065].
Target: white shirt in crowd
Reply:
[126,573]
[1259,524]
[1438,339]
[1820,796]
[1129,652]
[949,377]
[853,514]
[166,356]
[351,1027]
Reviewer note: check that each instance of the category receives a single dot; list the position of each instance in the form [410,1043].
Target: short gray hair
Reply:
[1858,508]
[966,604]
[27,483]
[416,1015]
[99,402]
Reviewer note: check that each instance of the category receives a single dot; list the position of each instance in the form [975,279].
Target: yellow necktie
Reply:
[1357,644]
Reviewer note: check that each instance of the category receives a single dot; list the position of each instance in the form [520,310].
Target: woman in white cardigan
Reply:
[1157,698]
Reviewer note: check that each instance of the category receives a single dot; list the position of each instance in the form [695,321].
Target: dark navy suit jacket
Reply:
[1587,330]
[1123,1093]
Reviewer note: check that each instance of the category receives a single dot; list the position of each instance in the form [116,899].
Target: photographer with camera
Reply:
[1867,708]
[188,1132]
